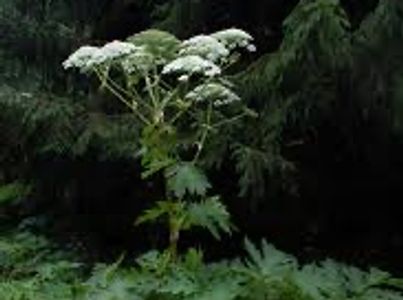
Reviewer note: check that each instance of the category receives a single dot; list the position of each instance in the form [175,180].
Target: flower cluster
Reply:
[234,38]
[192,64]
[206,47]
[202,55]
[87,57]
[80,58]
[139,61]
[219,94]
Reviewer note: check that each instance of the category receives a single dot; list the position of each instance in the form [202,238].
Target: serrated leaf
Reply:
[156,166]
[210,214]
[269,261]
[160,209]
[225,288]
[187,178]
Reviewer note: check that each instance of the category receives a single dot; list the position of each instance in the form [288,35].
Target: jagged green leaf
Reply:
[187,178]
[269,261]
[162,208]
[210,214]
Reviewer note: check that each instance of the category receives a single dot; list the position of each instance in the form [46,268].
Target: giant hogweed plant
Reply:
[179,94]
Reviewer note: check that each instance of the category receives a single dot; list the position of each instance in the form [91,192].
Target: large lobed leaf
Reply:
[187,178]
[210,214]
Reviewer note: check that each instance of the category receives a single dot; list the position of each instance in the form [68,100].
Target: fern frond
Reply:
[253,166]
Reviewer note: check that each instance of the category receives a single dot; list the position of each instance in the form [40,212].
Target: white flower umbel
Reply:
[206,47]
[81,57]
[234,38]
[219,94]
[87,57]
[139,61]
[251,48]
[192,64]
[111,51]
[183,78]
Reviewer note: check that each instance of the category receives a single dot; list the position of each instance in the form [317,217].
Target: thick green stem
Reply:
[174,233]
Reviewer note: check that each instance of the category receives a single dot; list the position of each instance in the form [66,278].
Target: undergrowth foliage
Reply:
[32,268]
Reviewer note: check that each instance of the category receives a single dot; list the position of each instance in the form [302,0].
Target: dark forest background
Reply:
[319,172]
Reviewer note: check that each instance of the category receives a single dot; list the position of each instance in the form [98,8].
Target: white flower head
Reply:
[205,46]
[183,78]
[138,61]
[81,57]
[219,94]
[192,64]
[251,48]
[111,51]
[88,56]
[233,38]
